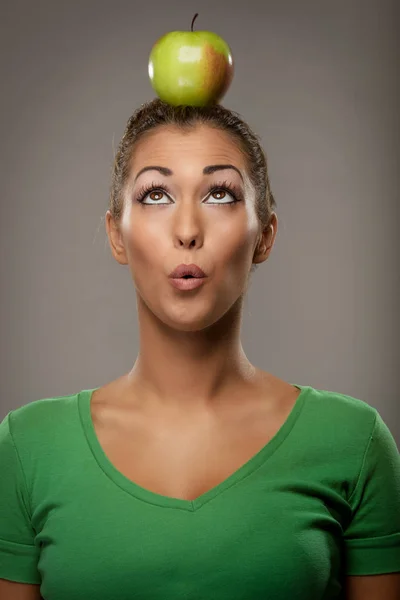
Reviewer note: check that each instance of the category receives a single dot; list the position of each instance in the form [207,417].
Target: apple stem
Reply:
[194,18]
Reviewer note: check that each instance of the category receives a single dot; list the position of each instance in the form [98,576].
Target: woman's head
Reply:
[190,211]
[156,113]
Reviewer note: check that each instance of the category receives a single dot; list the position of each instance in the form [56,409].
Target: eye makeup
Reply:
[223,186]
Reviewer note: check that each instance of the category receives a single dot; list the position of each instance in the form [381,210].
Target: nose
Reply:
[187,227]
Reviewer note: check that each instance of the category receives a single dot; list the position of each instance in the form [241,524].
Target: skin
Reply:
[199,331]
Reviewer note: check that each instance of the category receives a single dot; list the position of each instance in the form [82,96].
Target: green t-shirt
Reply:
[320,500]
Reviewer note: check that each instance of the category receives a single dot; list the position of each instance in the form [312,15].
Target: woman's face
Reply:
[180,221]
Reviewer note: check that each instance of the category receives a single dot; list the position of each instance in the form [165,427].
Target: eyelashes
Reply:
[223,186]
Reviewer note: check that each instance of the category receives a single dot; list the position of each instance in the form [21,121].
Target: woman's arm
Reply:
[373,587]
[19,591]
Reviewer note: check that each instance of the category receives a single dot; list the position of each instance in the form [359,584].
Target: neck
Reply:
[189,369]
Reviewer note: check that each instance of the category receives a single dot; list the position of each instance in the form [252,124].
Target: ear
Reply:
[115,240]
[266,241]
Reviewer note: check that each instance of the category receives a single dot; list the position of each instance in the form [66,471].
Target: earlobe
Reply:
[266,241]
[260,255]
[115,240]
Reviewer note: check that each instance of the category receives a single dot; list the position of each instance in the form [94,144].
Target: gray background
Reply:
[317,80]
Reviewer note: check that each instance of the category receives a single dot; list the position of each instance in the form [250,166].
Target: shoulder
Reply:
[325,404]
[343,438]
[335,428]
[32,422]
[337,407]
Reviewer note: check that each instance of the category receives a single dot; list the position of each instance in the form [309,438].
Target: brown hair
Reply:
[156,112]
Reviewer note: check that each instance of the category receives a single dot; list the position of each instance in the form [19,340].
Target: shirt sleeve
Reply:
[372,538]
[18,553]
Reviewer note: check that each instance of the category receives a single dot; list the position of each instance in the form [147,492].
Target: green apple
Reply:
[192,68]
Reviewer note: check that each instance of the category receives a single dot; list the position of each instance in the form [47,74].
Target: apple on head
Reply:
[192,68]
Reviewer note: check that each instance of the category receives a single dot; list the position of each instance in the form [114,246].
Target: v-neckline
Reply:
[84,407]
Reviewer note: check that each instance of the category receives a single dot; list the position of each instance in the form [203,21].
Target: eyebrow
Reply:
[206,171]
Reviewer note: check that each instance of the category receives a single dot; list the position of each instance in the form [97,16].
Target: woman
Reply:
[196,474]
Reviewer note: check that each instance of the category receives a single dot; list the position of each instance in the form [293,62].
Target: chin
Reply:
[190,323]
[193,316]
[191,320]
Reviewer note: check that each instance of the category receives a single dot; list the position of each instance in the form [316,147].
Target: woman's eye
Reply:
[221,194]
[155,196]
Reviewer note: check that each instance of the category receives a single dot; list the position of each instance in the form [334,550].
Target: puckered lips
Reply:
[187,277]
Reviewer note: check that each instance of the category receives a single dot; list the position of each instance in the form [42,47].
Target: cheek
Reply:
[145,265]
[236,245]
[146,244]
[235,266]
